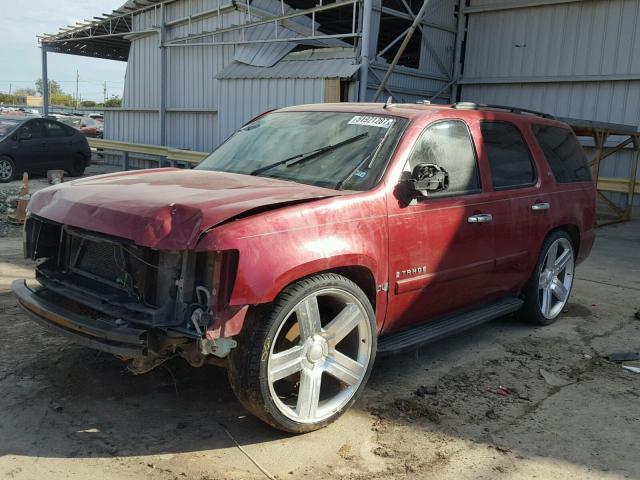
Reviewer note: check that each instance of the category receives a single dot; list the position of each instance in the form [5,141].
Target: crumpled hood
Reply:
[164,208]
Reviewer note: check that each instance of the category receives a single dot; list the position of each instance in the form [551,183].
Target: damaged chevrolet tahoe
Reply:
[315,238]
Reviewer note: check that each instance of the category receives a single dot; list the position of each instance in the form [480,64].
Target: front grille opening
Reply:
[100,259]
[116,267]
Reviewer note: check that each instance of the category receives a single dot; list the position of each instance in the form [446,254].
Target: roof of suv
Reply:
[415,110]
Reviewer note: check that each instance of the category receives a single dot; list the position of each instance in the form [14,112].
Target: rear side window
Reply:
[509,157]
[55,130]
[564,153]
[448,144]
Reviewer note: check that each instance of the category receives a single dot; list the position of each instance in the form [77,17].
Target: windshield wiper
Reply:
[371,157]
[303,157]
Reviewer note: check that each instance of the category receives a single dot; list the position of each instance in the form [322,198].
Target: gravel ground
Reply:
[70,412]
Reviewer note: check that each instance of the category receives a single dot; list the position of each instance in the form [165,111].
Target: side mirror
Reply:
[426,179]
[24,135]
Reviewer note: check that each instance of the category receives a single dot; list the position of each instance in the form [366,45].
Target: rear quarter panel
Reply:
[571,203]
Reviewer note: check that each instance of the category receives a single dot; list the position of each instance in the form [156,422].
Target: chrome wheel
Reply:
[6,169]
[556,278]
[319,356]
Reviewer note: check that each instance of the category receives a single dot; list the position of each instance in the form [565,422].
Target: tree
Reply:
[62,99]
[24,92]
[114,101]
[54,87]
[7,98]
[88,103]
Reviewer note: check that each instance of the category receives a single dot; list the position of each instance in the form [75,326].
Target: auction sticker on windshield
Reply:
[369,121]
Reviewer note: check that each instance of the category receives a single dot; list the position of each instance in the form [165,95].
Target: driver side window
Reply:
[448,144]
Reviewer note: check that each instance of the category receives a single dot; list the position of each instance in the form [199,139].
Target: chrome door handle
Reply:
[480,218]
[540,206]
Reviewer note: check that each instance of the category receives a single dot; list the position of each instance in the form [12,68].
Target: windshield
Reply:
[327,149]
[7,125]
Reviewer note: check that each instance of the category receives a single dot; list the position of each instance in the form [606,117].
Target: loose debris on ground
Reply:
[8,202]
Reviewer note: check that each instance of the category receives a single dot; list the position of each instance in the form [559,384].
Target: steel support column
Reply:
[365,40]
[403,46]
[163,77]
[457,56]
[45,83]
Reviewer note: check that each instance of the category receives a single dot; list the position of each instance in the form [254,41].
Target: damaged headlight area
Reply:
[170,296]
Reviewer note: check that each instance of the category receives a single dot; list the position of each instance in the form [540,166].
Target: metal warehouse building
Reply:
[198,69]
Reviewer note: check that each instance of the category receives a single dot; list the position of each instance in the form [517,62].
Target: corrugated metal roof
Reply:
[268,54]
[318,63]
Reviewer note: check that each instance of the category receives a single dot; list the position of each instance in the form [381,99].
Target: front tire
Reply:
[550,285]
[7,169]
[303,360]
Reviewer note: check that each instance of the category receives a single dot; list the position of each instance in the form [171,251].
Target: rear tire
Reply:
[549,287]
[303,360]
[7,169]
[78,165]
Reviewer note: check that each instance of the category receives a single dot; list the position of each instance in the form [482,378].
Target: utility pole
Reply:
[10,89]
[45,83]
[105,92]
[77,82]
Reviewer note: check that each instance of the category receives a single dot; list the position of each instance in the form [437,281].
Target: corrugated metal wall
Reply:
[192,89]
[243,99]
[578,60]
[132,126]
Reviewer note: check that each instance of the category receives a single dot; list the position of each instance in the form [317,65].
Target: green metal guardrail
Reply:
[168,154]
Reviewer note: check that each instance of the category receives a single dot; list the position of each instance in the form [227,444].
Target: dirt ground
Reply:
[70,412]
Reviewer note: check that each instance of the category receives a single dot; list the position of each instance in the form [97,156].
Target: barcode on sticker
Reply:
[369,121]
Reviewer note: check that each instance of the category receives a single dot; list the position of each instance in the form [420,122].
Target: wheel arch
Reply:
[574,234]
[361,276]
[359,270]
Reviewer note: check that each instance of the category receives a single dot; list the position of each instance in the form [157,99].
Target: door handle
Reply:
[480,218]
[537,207]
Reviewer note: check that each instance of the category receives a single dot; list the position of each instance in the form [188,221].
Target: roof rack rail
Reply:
[481,106]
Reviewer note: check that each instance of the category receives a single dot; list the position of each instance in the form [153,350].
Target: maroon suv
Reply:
[313,238]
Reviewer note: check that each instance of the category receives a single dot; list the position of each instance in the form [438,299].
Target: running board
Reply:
[413,337]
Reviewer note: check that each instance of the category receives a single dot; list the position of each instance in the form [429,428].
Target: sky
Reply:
[20,57]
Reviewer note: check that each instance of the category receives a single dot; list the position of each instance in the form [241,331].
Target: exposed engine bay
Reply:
[170,296]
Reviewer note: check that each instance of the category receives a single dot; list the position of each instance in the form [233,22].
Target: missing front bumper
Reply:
[96,333]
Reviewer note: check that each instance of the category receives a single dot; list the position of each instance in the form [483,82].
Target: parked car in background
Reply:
[36,145]
[72,121]
[19,111]
[91,127]
[315,237]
